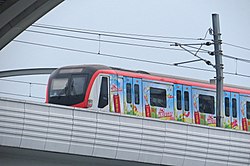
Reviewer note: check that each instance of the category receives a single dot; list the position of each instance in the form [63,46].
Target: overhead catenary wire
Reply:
[224,55]
[64,28]
[236,46]
[105,55]
[121,57]
[100,40]
[131,44]
[116,33]
[104,34]
[235,58]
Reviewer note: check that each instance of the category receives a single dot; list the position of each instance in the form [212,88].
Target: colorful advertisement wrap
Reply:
[120,94]
[137,97]
[244,122]
[178,112]
[235,111]
[206,117]
[117,103]
[115,94]
[197,117]
[248,124]
[182,103]
[147,110]
[188,114]
[153,110]
[128,96]
[132,96]
[227,111]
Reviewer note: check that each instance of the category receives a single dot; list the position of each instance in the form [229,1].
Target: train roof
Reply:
[163,77]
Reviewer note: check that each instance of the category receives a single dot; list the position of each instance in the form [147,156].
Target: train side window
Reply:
[206,104]
[234,108]
[103,97]
[178,96]
[248,110]
[227,110]
[137,94]
[128,93]
[186,101]
[158,97]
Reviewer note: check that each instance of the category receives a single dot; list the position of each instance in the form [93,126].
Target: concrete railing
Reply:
[108,135]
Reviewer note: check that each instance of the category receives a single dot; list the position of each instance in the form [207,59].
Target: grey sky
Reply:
[189,18]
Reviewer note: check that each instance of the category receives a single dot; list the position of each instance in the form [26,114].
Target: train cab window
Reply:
[68,89]
[158,97]
[227,110]
[137,94]
[234,108]
[59,87]
[248,110]
[186,101]
[128,93]
[103,97]
[178,96]
[77,85]
[206,104]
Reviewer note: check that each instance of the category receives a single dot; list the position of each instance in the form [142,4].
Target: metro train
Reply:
[140,93]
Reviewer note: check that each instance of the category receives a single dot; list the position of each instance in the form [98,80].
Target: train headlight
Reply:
[90,103]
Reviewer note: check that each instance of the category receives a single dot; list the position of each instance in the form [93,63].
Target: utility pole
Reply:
[219,69]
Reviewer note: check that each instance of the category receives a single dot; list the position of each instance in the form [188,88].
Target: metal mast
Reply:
[219,69]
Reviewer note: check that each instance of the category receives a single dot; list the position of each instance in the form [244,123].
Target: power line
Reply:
[103,34]
[138,45]
[116,33]
[126,58]
[235,58]
[106,55]
[106,41]
[236,46]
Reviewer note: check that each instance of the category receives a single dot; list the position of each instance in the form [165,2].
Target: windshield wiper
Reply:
[63,91]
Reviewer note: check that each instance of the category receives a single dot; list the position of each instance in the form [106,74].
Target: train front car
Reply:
[68,85]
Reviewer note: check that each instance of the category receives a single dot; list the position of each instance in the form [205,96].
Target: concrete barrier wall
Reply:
[62,129]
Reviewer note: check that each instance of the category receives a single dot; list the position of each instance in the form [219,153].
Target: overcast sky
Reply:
[168,18]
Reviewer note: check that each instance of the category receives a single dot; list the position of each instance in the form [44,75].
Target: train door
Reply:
[235,107]
[127,93]
[244,113]
[188,113]
[227,120]
[158,100]
[204,107]
[132,96]
[178,102]
[103,98]
[182,103]
[137,97]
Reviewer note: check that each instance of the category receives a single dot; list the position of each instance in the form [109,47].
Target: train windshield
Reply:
[68,89]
